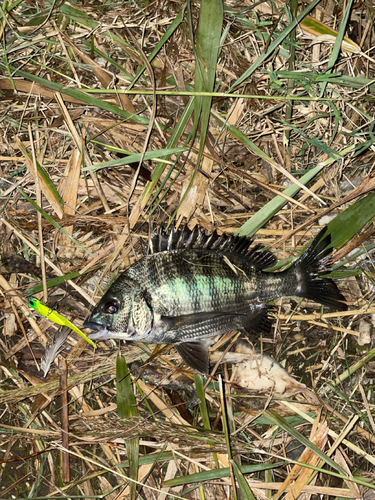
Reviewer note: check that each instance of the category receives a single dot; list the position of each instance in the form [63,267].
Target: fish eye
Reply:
[111,307]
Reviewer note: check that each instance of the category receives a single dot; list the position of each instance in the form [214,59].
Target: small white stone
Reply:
[326,219]
[364,332]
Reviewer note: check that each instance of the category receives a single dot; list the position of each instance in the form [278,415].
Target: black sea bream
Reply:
[192,286]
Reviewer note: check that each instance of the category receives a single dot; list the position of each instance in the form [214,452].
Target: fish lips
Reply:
[92,325]
[101,334]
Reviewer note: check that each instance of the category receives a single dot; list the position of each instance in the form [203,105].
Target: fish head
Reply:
[122,313]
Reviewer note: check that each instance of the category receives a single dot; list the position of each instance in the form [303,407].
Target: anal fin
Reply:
[258,322]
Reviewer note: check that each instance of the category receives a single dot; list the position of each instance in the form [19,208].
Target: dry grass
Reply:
[98,137]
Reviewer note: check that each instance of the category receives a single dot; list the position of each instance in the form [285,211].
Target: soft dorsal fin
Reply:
[184,238]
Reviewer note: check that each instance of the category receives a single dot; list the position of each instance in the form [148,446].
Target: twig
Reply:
[65,460]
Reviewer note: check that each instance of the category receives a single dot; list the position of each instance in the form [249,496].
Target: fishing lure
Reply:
[57,318]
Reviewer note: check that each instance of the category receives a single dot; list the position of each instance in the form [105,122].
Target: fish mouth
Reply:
[101,333]
[92,325]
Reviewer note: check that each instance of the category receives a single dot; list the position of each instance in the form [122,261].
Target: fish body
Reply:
[192,286]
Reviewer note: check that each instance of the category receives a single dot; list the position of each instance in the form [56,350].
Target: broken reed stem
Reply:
[38,193]
[79,142]
[65,459]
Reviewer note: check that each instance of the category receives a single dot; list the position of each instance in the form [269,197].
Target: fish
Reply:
[191,286]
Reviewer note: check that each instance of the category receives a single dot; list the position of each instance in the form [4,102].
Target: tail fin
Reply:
[306,269]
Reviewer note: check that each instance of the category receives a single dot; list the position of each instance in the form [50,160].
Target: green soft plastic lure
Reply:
[57,318]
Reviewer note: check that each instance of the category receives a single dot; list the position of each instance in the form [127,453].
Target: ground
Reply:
[249,118]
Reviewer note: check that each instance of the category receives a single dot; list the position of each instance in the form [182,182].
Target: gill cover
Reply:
[141,317]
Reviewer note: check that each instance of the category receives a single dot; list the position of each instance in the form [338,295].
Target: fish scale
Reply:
[209,283]
[193,286]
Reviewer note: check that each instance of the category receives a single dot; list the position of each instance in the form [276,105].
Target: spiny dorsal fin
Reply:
[178,239]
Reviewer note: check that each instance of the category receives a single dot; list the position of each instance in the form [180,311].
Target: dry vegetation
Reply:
[99,136]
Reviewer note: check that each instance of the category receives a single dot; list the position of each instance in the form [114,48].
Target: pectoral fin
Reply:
[179,322]
[195,354]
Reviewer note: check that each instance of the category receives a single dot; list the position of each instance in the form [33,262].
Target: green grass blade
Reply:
[314,141]
[227,436]
[127,407]
[33,290]
[251,226]
[318,28]
[77,15]
[212,475]
[174,138]
[352,369]
[199,386]
[45,177]
[80,17]
[291,67]
[206,53]
[126,403]
[207,49]
[82,96]
[52,221]
[285,425]
[172,28]
[158,171]
[135,158]
[242,483]
[338,42]
[268,211]
[259,152]
[275,44]
[345,225]
[353,82]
